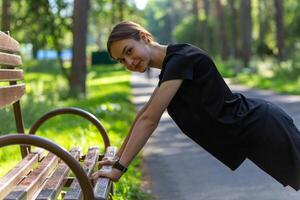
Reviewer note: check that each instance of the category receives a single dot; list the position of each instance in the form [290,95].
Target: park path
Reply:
[177,168]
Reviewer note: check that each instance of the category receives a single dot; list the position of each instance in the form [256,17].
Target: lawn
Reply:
[267,73]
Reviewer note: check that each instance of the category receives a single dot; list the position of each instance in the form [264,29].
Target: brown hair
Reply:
[127,30]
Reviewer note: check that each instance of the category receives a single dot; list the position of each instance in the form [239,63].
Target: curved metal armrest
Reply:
[75,111]
[73,164]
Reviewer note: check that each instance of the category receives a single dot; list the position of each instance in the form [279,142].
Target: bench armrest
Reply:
[74,111]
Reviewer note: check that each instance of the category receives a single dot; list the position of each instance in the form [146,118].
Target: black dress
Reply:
[229,125]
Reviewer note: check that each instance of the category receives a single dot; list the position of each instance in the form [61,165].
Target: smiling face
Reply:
[134,55]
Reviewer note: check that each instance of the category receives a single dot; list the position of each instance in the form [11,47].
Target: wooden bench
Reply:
[44,173]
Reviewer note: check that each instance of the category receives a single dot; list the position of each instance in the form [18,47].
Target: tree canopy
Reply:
[226,28]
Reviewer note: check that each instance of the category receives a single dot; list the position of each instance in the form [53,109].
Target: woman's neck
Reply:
[158,53]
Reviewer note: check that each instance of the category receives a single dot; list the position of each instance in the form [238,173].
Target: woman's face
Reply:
[133,54]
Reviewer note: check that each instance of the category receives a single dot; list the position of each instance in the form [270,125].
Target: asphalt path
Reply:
[177,168]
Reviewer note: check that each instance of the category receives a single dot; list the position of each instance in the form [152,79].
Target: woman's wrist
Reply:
[119,166]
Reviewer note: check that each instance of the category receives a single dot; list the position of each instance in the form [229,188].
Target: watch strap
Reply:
[119,166]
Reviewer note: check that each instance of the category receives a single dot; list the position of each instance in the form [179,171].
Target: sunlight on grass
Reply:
[108,98]
[109,80]
[281,77]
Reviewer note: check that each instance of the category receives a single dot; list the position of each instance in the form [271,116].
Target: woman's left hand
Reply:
[113,175]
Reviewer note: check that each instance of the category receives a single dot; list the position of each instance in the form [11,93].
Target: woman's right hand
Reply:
[106,161]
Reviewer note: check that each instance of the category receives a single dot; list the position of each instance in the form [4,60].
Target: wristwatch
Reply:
[119,166]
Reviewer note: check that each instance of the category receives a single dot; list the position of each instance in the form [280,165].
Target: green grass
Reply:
[108,98]
[281,77]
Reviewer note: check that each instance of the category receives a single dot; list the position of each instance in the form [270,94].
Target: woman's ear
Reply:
[144,37]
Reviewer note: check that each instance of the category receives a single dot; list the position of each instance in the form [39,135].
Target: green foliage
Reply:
[185,31]
[104,14]
[43,24]
[281,77]
[126,191]
[292,24]
[228,68]
[163,16]
[264,42]
[108,99]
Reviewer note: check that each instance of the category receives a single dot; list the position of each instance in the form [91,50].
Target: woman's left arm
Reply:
[144,126]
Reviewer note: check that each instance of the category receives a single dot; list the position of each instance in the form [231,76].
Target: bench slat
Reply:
[11,94]
[31,184]
[8,44]
[75,191]
[11,75]
[16,174]
[103,185]
[56,182]
[10,59]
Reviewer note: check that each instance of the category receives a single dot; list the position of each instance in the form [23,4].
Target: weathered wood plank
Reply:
[10,59]
[16,174]
[28,187]
[103,185]
[11,94]
[8,44]
[11,75]
[56,182]
[75,191]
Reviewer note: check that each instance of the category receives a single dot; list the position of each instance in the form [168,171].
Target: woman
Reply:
[228,125]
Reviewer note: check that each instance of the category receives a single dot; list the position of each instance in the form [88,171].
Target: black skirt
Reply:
[276,149]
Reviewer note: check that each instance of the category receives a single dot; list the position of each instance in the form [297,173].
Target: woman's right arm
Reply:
[120,151]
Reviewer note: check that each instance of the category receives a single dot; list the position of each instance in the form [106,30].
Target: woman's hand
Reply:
[106,161]
[113,175]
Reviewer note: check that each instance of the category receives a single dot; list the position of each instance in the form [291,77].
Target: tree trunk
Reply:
[222,30]
[6,15]
[58,50]
[78,70]
[279,28]
[56,35]
[246,29]
[121,10]
[196,22]
[34,51]
[262,20]
[206,26]
[168,28]
[234,29]
[113,11]
[172,19]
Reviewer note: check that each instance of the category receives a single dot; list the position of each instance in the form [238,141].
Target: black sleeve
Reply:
[177,67]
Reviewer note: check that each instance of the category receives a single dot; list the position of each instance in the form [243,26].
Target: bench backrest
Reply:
[11,73]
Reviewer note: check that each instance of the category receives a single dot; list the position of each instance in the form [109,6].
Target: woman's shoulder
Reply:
[185,49]
[178,53]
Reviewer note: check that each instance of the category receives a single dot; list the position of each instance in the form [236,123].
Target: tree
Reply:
[113,11]
[222,30]
[106,13]
[196,22]
[121,9]
[246,31]
[78,69]
[162,17]
[6,15]
[279,28]
[57,26]
[206,25]
[234,28]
